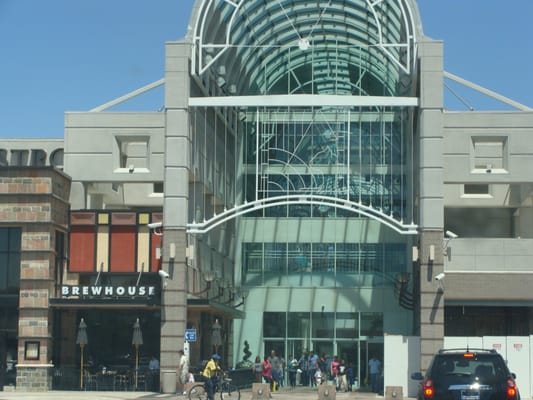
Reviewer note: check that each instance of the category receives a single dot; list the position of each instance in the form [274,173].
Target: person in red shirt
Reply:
[267,371]
[334,370]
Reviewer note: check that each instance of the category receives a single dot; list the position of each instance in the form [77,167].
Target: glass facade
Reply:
[346,335]
[355,155]
[318,167]
[347,264]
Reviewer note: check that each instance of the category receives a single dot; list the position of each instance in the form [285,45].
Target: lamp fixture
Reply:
[209,276]
[242,293]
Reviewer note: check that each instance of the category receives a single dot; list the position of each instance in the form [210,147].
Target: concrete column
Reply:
[175,211]
[431,200]
[431,311]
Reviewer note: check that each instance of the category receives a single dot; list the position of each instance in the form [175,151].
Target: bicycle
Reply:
[223,385]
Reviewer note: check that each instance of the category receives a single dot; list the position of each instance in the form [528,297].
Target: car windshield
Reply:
[486,367]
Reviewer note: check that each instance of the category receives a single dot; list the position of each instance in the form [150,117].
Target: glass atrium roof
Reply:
[351,47]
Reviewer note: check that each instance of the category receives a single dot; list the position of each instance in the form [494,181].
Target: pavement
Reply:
[246,394]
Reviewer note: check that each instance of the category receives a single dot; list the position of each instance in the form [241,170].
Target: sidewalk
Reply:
[246,394]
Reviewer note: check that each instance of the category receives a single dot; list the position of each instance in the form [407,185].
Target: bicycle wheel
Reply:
[197,392]
[230,392]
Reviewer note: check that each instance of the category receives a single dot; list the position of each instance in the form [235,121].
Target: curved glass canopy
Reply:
[346,47]
[318,98]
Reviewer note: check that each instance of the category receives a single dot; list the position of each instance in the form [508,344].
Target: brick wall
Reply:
[35,199]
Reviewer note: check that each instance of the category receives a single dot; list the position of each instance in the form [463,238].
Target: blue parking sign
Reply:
[190,335]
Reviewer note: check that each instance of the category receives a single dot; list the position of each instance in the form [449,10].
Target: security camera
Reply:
[155,225]
[440,276]
[163,274]
[451,235]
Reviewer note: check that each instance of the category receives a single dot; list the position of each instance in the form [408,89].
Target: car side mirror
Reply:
[417,376]
[513,375]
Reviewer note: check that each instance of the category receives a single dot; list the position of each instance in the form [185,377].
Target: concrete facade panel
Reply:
[178,123]
[432,90]
[430,48]
[175,212]
[176,64]
[431,183]
[179,178]
[178,50]
[108,120]
[489,287]
[432,331]
[488,119]
[104,140]
[178,152]
[179,85]
[429,315]
[431,153]
[432,213]
[509,255]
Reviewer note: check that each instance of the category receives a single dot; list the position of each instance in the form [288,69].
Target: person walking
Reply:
[275,362]
[312,367]
[267,371]
[304,368]
[153,374]
[293,367]
[334,371]
[350,375]
[341,376]
[374,368]
[258,369]
[182,372]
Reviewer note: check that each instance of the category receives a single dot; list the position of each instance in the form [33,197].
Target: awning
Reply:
[211,306]
[105,303]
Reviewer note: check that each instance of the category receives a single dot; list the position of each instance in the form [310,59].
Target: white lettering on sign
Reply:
[107,291]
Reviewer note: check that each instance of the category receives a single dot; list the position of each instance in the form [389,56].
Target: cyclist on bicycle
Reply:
[210,375]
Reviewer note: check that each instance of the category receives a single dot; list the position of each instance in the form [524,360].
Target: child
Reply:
[318,377]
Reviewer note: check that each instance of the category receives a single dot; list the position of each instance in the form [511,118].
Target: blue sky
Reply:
[66,55]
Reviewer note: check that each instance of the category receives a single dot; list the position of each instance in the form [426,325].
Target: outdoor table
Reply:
[106,380]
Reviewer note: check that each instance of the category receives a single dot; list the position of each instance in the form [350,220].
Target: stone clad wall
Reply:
[36,199]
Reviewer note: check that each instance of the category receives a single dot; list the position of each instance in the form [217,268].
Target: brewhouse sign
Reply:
[106,291]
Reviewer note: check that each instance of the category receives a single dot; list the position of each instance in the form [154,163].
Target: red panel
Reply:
[156,242]
[82,249]
[123,250]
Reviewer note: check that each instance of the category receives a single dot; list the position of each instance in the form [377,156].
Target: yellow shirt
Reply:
[210,369]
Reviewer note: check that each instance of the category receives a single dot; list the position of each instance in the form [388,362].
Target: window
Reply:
[346,325]
[371,324]
[298,324]
[10,246]
[489,153]
[158,187]
[132,152]
[476,189]
[274,324]
[323,325]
